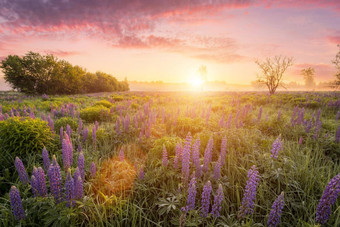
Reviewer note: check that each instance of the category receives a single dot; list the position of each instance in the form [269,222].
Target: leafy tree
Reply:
[336,62]
[272,71]
[37,74]
[308,75]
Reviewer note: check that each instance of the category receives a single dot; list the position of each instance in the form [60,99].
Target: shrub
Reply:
[103,102]
[22,137]
[93,113]
[64,121]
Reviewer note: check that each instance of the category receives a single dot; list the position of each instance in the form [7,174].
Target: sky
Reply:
[168,40]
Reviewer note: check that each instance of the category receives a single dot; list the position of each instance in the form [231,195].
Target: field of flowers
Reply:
[170,159]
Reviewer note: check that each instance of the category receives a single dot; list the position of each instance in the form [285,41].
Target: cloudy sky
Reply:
[168,40]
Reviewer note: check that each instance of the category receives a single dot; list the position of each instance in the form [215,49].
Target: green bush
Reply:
[64,121]
[103,102]
[22,137]
[93,113]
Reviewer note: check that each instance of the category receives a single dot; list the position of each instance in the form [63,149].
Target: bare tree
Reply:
[272,71]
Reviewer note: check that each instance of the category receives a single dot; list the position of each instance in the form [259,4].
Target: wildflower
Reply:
[177,155]
[68,130]
[80,126]
[329,197]
[217,170]
[186,158]
[46,159]
[206,199]
[41,182]
[18,210]
[69,189]
[223,150]
[260,114]
[65,153]
[279,115]
[78,187]
[165,157]
[247,206]
[216,208]
[81,165]
[85,134]
[275,213]
[79,147]
[94,136]
[300,140]
[34,186]
[118,126]
[141,173]
[21,171]
[208,154]
[121,155]
[55,182]
[196,156]
[276,147]
[93,169]
[191,196]
[337,135]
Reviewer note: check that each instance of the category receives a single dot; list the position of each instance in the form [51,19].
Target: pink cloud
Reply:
[61,53]
[334,39]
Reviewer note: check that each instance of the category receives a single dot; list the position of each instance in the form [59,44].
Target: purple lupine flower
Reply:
[217,170]
[65,153]
[248,202]
[337,135]
[186,158]
[21,171]
[41,182]
[79,149]
[94,135]
[93,169]
[141,173]
[191,195]
[46,159]
[85,134]
[34,186]
[216,208]
[55,181]
[121,154]
[329,197]
[208,154]
[165,157]
[275,213]
[78,188]
[337,115]
[80,126]
[279,115]
[96,125]
[276,147]
[223,150]
[177,155]
[300,140]
[68,130]
[61,134]
[18,210]
[260,114]
[317,129]
[196,156]
[69,189]
[118,126]
[206,199]
[81,165]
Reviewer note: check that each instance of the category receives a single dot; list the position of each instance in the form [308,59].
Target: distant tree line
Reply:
[37,74]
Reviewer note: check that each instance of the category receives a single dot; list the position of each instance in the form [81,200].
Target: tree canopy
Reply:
[37,74]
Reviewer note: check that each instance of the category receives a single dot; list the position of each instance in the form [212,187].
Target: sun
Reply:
[196,81]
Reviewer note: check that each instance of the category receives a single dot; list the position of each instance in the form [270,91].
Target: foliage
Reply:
[22,137]
[103,102]
[93,113]
[64,121]
[308,76]
[37,74]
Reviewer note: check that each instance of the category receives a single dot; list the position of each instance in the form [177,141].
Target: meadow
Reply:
[170,159]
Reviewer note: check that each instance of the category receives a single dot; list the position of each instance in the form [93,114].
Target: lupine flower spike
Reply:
[206,199]
[216,208]
[275,213]
[248,202]
[93,169]
[18,210]
[21,171]
[329,197]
